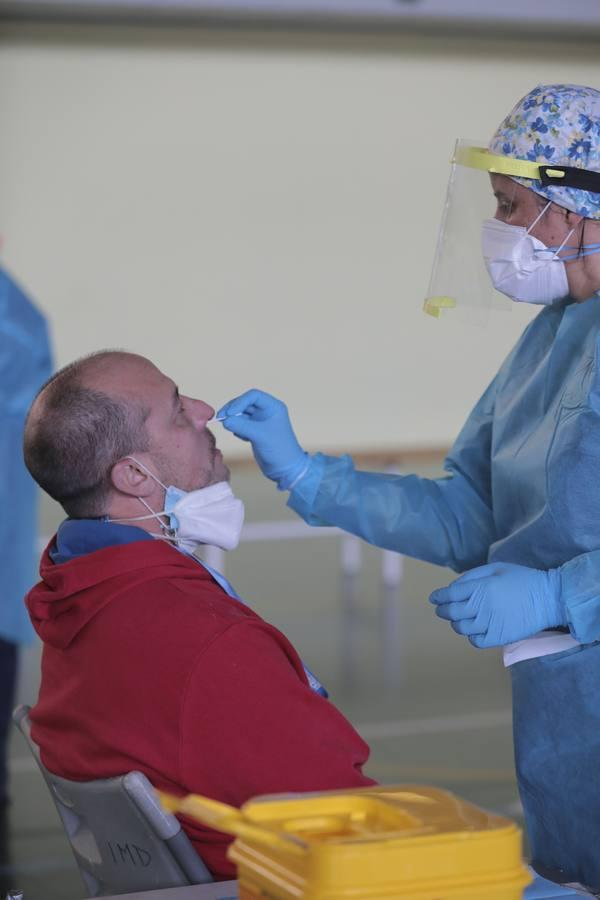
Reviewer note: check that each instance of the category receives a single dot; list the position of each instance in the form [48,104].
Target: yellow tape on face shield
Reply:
[459,279]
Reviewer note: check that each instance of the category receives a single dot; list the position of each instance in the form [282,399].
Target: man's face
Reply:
[182,451]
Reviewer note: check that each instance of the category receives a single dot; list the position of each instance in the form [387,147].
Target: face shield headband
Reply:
[460,278]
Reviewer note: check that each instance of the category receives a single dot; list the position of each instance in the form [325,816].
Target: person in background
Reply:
[518,510]
[25,363]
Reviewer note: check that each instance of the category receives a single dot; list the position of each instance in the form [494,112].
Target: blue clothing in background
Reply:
[25,363]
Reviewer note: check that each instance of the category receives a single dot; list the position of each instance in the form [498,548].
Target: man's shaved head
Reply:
[81,423]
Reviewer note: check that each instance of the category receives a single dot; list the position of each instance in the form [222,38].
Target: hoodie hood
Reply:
[71,593]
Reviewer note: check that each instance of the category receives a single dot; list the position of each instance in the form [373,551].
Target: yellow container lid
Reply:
[405,841]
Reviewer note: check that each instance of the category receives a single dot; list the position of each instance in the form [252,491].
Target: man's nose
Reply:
[200,412]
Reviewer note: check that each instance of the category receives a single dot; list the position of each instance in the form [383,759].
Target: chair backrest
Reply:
[122,839]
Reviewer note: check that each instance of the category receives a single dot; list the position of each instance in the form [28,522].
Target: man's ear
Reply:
[128,478]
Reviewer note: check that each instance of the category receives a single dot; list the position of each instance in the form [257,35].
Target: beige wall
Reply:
[258,209]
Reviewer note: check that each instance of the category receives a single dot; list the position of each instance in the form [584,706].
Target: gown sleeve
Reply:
[447,521]
[580,593]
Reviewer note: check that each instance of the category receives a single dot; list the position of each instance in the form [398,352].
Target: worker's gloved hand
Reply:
[263,420]
[500,603]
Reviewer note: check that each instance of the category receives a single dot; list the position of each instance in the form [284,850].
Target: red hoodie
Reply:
[148,664]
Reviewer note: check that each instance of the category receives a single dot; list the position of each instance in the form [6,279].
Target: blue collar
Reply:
[76,537]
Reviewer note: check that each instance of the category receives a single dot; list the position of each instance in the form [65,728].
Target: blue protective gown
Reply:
[522,486]
[25,363]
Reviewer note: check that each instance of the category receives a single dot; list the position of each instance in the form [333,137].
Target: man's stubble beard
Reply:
[205,477]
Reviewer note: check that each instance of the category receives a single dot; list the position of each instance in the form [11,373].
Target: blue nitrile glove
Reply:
[263,420]
[500,603]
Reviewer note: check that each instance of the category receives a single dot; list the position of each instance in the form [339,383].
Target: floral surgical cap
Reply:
[560,124]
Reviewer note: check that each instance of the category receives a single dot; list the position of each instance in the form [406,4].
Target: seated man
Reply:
[151,661]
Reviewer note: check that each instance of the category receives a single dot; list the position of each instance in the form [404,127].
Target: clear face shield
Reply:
[481,198]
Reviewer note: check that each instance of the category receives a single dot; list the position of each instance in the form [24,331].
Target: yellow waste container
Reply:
[408,841]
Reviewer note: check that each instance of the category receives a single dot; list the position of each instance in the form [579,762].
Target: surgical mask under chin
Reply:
[211,515]
[521,266]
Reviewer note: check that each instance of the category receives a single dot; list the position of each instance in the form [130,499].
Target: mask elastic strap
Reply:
[151,515]
[167,532]
[533,224]
[147,470]
[539,253]
[554,251]
[556,256]
[589,250]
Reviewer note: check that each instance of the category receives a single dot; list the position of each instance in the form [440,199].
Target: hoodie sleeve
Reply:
[252,725]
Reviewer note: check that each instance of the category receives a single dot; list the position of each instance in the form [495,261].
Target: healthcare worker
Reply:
[519,509]
[25,363]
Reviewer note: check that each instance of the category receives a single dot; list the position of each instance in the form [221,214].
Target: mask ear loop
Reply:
[168,533]
[583,249]
[533,224]
[587,250]
[147,470]
[556,256]
[539,253]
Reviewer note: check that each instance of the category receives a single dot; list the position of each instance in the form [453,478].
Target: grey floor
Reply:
[434,710]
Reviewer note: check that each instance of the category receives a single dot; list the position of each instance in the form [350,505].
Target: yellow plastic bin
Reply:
[408,841]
